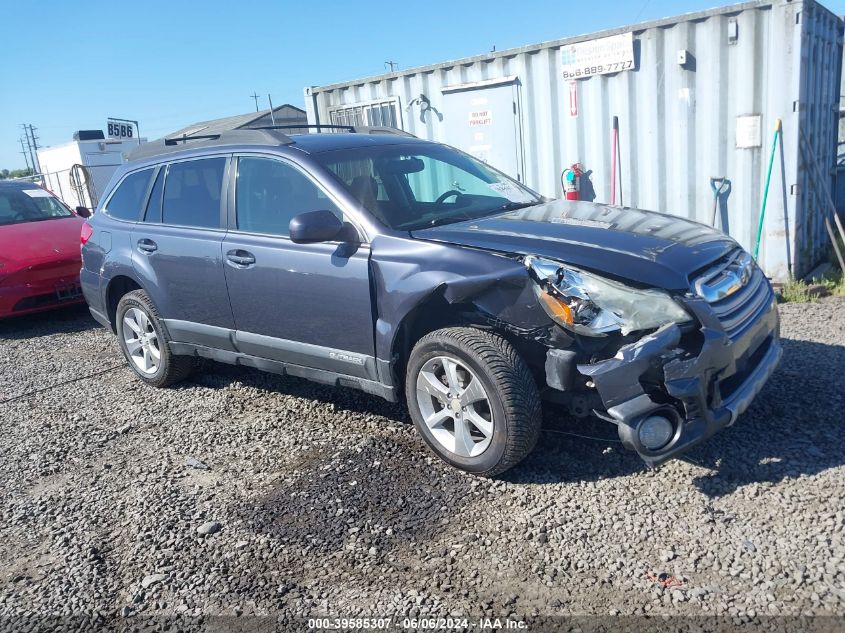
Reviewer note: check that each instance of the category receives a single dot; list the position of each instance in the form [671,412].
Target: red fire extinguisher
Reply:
[570,179]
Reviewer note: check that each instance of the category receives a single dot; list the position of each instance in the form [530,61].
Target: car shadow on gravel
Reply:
[368,500]
[218,375]
[60,321]
[574,449]
[795,427]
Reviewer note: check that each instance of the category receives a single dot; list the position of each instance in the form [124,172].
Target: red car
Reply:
[39,250]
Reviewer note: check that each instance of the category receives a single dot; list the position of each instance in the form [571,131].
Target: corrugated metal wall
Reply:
[677,123]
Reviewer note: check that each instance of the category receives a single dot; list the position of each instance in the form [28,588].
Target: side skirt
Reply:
[286,369]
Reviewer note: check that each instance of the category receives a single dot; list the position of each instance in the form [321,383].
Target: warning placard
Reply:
[480,117]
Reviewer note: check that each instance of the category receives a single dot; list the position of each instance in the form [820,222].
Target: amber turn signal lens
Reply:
[557,309]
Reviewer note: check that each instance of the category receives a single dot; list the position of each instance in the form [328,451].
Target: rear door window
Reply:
[192,192]
[127,201]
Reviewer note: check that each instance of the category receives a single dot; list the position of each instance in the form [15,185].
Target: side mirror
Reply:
[83,212]
[314,226]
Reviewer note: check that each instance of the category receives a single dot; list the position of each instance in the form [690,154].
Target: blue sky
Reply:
[70,65]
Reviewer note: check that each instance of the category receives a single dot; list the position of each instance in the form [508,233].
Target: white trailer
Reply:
[99,158]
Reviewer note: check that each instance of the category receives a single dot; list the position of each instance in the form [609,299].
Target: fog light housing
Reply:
[655,432]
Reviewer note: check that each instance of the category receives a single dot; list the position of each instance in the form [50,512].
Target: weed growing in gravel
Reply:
[799,291]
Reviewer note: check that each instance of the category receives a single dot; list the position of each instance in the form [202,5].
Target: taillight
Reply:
[86,234]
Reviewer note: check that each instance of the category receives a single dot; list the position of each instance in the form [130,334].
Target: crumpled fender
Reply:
[406,273]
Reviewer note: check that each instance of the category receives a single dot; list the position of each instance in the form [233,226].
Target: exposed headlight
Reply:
[588,304]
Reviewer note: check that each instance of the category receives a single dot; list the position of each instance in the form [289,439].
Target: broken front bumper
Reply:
[702,390]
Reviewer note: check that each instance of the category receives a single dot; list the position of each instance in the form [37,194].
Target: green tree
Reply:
[14,173]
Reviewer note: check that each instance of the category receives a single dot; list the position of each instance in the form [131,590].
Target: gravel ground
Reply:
[246,494]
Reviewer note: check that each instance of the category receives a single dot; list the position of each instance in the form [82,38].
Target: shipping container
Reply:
[696,97]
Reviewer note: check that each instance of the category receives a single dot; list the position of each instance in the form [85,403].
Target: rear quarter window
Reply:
[128,199]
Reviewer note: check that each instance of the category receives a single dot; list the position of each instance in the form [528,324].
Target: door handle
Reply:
[240,258]
[147,246]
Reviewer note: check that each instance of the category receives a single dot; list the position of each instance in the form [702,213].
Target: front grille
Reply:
[743,306]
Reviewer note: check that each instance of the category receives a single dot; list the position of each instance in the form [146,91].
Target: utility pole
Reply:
[391,65]
[36,163]
[32,146]
[23,151]
[255,96]
[31,162]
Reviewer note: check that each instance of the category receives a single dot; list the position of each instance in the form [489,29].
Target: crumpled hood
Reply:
[34,243]
[652,249]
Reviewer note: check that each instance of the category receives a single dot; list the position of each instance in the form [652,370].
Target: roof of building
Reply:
[285,114]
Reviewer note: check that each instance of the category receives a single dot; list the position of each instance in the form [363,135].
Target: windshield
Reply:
[411,187]
[29,205]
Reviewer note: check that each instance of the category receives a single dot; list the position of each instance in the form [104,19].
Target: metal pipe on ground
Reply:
[806,148]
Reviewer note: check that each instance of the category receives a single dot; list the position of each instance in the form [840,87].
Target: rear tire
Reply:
[145,342]
[473,400]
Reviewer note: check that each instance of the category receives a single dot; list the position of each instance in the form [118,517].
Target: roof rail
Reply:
[381,129]
[229,137]
[306,126]
[356,129]
[193,137]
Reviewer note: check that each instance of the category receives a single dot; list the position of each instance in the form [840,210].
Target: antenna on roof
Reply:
[255,96]
[392,65]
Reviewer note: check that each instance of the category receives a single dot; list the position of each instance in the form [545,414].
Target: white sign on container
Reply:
[598,57]
[121,128]
[748,131]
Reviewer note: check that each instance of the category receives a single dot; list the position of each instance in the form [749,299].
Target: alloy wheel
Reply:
[455,406]
[141,340]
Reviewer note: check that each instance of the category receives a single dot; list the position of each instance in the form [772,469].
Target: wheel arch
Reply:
[118,286]
[436,313]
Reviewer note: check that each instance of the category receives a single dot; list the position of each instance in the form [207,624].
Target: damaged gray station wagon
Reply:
[370,259]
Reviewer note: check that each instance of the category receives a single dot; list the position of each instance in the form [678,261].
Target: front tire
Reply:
[473,400]
[144,342]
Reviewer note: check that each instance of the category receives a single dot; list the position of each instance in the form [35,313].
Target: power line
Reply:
[642,8]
